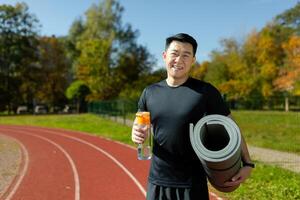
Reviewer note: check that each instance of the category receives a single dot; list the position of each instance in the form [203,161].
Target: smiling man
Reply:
[176,172]
[179,57]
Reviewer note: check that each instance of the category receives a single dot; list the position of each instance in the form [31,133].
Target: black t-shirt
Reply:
[172,109]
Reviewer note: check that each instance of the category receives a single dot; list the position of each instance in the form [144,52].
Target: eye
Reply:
[186,55]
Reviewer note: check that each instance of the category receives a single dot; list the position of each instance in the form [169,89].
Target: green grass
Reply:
[266,182]
[270,129]
[87,122]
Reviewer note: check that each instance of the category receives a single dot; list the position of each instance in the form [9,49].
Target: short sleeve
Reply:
[215,102]
[142,102]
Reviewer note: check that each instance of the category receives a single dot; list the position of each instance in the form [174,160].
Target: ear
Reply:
[164,55]
[194,59]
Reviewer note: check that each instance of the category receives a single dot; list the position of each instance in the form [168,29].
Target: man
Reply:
[176,172]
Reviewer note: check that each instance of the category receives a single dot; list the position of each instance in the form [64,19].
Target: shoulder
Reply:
[200,86]
[152,89]
[155,86]
[208,86]
[198,82]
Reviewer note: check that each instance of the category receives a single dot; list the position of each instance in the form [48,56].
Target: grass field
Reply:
[269,129]
[266,182]
[87,123]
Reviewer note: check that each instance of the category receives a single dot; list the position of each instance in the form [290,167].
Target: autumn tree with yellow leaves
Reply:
[265,65]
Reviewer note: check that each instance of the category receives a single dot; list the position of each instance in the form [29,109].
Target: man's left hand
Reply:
[240,177]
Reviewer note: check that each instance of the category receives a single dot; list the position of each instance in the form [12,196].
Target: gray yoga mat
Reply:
[216,140]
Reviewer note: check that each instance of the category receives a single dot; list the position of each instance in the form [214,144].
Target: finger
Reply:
[138,137]
[236,178]
[231,183]
[137,140]
[138,129]
[139,134]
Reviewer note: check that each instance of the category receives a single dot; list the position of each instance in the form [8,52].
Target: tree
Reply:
[289,76]
[108,53]
[229,72]
[93,68]
[249,71]
[132,64]
[133,90]
[250,52]
[53,72]
[199,70]
[269,58]
[286,82]
[78,91]
[18,31]
[217,71]
[70,43]
[290,18]
[75,32]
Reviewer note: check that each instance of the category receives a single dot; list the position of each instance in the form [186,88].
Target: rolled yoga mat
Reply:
[216,140]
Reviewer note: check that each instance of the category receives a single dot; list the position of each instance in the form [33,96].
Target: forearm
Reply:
[245,152]
[245,171]
[244,148]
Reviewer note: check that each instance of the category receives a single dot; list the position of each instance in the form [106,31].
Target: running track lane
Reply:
[77,166]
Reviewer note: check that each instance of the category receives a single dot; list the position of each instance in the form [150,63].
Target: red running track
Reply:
[61,165]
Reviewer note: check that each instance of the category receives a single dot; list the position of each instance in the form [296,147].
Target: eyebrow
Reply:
[185,52]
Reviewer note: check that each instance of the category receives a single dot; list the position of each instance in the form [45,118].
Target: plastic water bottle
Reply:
[145,149]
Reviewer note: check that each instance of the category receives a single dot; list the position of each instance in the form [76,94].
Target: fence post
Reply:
[124,112]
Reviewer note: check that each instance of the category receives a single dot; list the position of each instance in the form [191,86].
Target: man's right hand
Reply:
[138,133]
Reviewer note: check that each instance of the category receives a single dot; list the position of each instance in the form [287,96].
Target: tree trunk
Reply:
[286,104]
[78,106]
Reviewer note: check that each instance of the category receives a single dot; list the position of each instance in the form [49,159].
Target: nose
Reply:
[178,58]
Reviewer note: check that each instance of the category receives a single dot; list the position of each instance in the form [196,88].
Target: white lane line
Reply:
[62,132]
[215,196]
[138,184]
[117,142]
[86,134]
[22,172]
[73,166]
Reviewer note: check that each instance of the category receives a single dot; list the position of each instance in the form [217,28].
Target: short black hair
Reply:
[182,37]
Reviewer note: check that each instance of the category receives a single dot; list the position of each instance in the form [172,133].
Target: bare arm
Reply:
[245,152]
[245,171]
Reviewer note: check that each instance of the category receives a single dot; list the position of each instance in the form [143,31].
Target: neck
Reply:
[176,82]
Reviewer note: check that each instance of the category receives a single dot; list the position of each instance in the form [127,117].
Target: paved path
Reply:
[285,160]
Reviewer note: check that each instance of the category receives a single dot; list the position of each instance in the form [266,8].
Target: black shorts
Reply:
[197,192]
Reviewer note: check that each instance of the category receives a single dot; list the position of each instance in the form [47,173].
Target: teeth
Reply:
[175,67]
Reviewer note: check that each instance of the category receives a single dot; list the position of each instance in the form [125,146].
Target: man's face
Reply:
[179,59]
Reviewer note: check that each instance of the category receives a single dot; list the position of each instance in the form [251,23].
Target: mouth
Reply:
[177,68]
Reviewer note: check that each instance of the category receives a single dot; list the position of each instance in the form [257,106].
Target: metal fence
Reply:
[279,103]
[116,109]
[122,107]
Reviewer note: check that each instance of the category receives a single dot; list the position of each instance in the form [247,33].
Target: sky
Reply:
[208,21]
